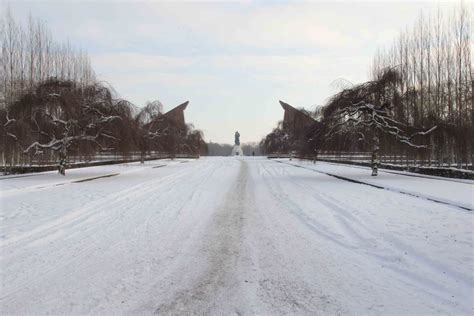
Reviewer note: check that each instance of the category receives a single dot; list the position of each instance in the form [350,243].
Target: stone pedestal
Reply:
[237,151]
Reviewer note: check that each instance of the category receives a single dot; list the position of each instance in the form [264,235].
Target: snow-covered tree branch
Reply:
[366,118]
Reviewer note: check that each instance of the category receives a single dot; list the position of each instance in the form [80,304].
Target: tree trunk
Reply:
[375,155]
[62,161]
[4,161]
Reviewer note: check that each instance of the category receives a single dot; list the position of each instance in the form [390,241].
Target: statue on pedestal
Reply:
[237,150]
[237,139]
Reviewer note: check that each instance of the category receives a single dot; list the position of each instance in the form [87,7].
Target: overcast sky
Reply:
[232,60]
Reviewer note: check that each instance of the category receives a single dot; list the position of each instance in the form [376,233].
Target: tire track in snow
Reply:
[343,213]
[222,246]
[386,249]
[77,221]
[74,217]
[18,191]
[97,239]
[289,270]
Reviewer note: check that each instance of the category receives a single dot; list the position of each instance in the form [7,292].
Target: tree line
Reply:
[422,83]
[249,149]
[30,55]
[52,107]
[433,61]
[62,118]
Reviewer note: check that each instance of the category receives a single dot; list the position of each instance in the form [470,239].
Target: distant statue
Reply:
[237,139]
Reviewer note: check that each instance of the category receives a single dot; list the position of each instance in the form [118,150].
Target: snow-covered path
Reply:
[230,236]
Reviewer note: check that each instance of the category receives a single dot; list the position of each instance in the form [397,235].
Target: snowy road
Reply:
[233,236]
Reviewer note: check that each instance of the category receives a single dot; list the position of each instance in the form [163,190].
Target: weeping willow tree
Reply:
[364,114]
[59,118]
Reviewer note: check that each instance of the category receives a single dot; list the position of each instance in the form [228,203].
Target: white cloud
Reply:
[138,62]
[252,26]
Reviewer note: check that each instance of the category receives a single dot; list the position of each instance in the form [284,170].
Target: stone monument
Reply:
[237,150]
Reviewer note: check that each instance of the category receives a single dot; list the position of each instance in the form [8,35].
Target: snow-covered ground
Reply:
[456,192]
[235,236]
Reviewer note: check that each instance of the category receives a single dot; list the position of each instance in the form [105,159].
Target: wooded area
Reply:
[52,107]
[419,103]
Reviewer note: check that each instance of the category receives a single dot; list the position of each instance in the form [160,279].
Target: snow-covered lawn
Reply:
[457,192]
[235,236]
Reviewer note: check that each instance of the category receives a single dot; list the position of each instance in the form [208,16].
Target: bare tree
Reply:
[30,56]
[61,117]
[368,119]
[436,81]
